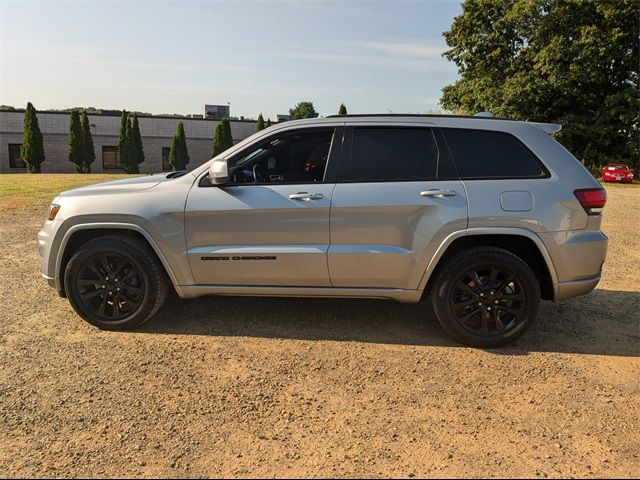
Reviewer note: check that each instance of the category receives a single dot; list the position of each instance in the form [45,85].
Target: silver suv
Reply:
[482,216]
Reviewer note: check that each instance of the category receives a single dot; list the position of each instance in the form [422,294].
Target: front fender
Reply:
[169,248]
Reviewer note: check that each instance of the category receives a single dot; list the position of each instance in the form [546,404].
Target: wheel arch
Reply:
[80,234]
[519,241]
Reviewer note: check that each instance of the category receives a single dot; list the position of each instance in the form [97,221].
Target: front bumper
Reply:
[46,238]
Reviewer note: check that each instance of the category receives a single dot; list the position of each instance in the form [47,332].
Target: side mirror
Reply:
[219,172]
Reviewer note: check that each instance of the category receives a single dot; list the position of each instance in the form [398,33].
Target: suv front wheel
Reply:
[485,297]
[115,282]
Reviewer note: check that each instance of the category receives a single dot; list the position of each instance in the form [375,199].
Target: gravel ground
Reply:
[317,388]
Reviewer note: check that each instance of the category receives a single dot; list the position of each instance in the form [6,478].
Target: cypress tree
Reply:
[32,149]
[178,155]
[123,144]
[228,137]
[76,142]
[222,138]
[89,154]
[342,110]
[268,124]
[132,155]
[137,141]
[217,140]
[260,123]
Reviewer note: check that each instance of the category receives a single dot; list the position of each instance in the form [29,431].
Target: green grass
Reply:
[41,188]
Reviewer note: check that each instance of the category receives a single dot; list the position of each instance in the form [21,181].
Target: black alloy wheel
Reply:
[111,286]
[488,300]
[485,296]
[115,282]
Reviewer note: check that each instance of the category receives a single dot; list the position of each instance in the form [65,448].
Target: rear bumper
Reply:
[578,256]
[575,288]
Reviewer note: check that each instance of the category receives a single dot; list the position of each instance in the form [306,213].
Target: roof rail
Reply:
[418,115]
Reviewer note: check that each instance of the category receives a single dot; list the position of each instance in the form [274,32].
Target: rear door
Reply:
[396,199]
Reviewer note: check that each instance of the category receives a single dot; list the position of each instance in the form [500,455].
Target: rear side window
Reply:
[487,154]
[392,154]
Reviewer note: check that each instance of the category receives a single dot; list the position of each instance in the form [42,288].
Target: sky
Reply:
[260,56]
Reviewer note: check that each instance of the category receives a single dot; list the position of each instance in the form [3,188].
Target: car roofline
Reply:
[544,126]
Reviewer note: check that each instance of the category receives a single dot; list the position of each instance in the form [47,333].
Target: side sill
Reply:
[397,294]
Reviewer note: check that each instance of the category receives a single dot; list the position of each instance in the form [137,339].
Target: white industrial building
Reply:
[157,132]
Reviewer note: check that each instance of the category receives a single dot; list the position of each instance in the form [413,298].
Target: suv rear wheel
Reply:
[115,282]
[485,297]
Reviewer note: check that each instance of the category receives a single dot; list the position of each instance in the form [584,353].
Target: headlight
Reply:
[53,211]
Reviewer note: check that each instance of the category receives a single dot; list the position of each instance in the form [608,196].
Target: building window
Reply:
[110,158]
[14,156]
[166,166]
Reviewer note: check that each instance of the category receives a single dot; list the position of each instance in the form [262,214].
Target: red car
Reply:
[617,172]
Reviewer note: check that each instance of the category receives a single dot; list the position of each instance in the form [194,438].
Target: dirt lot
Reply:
[313,388]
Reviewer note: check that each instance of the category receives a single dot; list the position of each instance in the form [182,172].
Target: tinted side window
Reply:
[392,154]
[487,154]
[294,157]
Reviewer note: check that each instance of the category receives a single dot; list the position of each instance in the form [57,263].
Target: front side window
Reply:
[388,154]
[110,158]
[491,154]
[15,161]
[294,157]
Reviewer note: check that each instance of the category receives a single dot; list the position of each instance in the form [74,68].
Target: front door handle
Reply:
[305,196]
[438,193]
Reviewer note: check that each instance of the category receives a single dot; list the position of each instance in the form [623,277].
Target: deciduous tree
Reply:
[574,63]
[303,110]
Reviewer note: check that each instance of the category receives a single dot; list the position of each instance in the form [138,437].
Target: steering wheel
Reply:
[257,176]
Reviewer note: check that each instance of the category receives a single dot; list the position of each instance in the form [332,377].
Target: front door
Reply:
[270,225]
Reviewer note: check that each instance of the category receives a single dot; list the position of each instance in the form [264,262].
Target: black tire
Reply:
[115,282]
[485,297]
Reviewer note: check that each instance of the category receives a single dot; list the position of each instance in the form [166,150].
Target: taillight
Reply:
[591,199]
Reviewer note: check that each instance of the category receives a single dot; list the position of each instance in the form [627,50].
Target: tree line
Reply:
[573,63]
[130,149]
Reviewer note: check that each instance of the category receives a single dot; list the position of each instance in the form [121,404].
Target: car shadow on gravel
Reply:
[604,322]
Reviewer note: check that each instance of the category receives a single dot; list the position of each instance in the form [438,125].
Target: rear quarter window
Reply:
[480,154]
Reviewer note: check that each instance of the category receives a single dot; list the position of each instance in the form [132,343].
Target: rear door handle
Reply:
[438,193]
[305,196]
